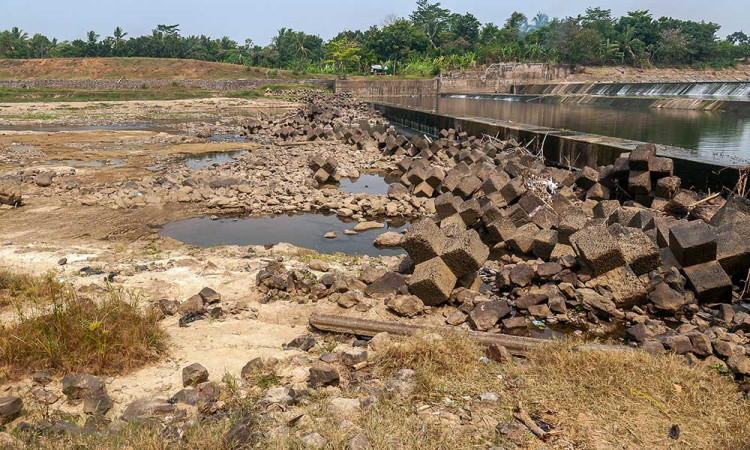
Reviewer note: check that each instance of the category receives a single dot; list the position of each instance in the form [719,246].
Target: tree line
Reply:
[432,39]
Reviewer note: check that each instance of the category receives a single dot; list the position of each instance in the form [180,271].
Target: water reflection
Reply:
[707,134]
[302,230]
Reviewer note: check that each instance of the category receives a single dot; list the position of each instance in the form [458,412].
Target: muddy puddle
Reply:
[302,230]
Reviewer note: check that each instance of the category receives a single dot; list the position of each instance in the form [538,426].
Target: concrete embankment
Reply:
[562,147]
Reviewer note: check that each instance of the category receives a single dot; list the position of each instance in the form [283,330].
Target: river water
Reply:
[717,136]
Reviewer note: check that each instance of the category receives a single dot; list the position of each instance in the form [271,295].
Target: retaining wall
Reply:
[565,148]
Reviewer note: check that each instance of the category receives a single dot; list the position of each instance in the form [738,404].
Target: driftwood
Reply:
[522,416]
[517,345]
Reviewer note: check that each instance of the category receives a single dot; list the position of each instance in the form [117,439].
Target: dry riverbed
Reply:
[101,180]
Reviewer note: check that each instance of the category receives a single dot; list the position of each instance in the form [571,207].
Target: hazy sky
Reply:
[259,20]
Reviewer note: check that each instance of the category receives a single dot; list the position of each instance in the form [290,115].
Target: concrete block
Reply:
[639,182]
[465,253]
[641,157]
[513,191]
[467,186]
[432,281]
[523,240]
[710,283]
[598,250]
[641,254]
[423,241]
[544,244]
[626,289]
[587,177]
[447,205]
[693,243]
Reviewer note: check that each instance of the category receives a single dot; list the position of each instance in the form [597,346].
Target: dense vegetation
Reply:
[430,40]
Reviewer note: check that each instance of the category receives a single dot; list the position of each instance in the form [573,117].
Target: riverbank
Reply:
[243,367]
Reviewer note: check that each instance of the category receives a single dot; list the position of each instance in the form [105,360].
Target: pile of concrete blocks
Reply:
[443,259]
[646,177]
[324,169]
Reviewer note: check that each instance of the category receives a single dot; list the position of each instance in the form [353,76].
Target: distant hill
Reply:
[132,68]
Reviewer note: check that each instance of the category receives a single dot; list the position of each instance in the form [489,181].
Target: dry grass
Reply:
[130,68]
[631,400]
[591,399]
[19,287]
[60,331]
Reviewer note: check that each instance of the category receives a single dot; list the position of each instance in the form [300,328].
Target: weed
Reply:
[60,331]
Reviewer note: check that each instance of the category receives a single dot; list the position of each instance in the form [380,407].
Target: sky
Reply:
[71,19]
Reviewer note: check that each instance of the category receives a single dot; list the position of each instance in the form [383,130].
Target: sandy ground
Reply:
[52,226]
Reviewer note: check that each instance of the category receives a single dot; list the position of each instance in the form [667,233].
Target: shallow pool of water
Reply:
[365,184]
[203,160]
[301,230]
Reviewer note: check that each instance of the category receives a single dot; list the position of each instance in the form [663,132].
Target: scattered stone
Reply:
[406,305]
[194,374]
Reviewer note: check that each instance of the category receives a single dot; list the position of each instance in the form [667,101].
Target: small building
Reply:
[377,69]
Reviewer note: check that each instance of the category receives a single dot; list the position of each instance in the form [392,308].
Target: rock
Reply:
[44,179]
[598,304]
[313,440]
[739,364]
[209,296]
[498,353]
[193,305]
[353,356]
[169,307]
[147,409]
[323,374]
[345,408]
[389,239]
[465,253]
[359,442]
[406,305]
[243,433]
[364,226]
[318,265]
[194,374]
[97,403]
[402,383]
[10,194]
[303,342]
[390,283]
[77,386]
[330,235]
[369,274]
[380,341]
[626,288]
[10,408]
[667,299]
[486,315]
[278,395]
[521,275]
[432,281]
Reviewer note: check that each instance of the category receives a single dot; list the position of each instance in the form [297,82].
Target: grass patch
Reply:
[60,331]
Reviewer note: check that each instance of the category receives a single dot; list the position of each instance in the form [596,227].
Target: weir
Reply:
[699,90]
[562,147]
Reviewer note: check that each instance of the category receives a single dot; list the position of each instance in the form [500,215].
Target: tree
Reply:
[464,26]
[343,54]
[430,18]
[672,47]
[738,37]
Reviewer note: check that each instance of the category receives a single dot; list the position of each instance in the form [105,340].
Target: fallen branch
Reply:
[522,416]
[707,199]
